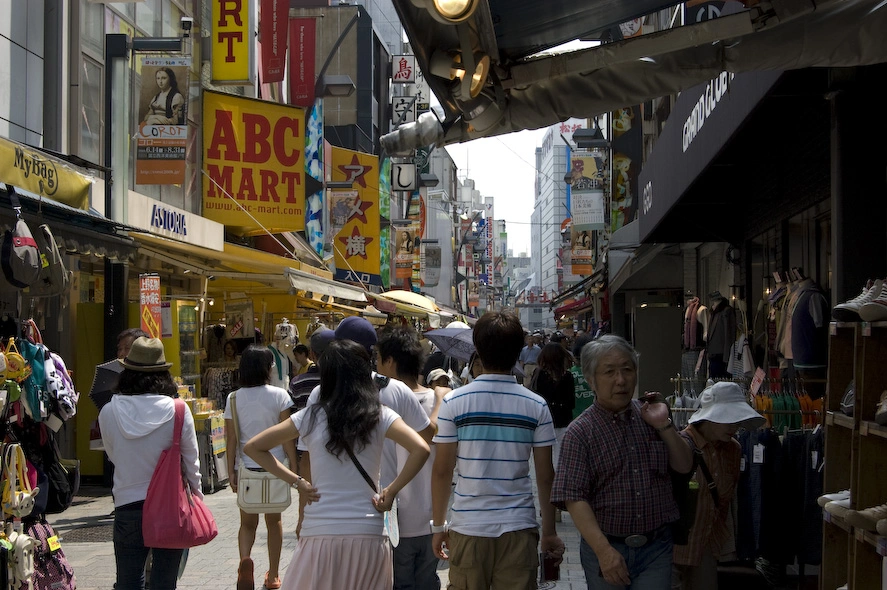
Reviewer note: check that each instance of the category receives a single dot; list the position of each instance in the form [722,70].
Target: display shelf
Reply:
[856,451]
[839,419]
[869,428]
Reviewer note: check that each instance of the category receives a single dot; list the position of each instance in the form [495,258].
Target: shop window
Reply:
[148,17]
[91,111]
[92,30]
[127,9]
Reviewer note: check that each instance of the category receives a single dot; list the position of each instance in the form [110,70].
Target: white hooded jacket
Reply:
[135,430]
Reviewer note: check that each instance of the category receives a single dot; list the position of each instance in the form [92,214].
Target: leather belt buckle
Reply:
[636,541]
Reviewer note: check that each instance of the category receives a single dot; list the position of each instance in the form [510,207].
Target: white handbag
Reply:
[259,492]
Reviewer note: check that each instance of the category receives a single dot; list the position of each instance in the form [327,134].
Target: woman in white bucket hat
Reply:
[724,410]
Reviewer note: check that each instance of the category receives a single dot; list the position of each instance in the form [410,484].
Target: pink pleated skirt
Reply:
[340,562]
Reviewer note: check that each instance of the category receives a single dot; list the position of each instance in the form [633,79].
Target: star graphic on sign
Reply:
[355,171]
[355,244]
[357,210]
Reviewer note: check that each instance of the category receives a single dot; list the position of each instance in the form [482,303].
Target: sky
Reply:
[504,167]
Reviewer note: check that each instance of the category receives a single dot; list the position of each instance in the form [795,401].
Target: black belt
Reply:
[640,540]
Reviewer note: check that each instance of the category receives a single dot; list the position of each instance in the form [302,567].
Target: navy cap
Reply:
[320,340]
[357,329]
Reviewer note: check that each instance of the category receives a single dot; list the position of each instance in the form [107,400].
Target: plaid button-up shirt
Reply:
[619,465]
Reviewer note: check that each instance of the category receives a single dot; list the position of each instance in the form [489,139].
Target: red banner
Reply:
[272,33]
[303,36]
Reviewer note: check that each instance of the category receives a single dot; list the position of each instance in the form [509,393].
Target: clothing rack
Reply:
[798,380]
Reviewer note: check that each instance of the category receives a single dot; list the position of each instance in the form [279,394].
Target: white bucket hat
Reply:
[725,403]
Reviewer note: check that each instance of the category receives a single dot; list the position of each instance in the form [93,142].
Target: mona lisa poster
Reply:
[162,134]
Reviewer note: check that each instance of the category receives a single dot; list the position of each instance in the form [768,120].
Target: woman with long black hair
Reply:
[554,382]
[342,543]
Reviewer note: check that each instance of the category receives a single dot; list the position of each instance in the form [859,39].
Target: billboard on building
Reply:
[356,246]
[232,56]
[254,159]
[628,142]
[162,134]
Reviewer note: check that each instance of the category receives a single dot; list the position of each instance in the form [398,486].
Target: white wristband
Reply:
[442,528]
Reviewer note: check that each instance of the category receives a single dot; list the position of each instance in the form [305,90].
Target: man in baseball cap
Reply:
[357,329]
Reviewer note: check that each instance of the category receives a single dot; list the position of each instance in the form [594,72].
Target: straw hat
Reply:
[146,355]
[725,403]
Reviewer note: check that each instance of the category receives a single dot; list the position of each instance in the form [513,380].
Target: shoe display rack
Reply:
[856,447]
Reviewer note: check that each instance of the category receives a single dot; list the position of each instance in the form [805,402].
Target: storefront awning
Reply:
[307,282]
[242,265]
[81,232]
[574,308]
[702,122]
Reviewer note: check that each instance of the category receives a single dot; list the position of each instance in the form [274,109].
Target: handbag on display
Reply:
[18,495]
[20,556]
[258,492]
[173,517]
[52,571]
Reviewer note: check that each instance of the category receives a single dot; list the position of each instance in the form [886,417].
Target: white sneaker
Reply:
[826,498]
[838,508]
[876,309]
[881,527]
[867,519]
[849,310]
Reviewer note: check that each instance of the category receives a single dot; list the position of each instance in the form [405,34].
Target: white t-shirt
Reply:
[400,398]
[414,500]
[346,500]
[258,409]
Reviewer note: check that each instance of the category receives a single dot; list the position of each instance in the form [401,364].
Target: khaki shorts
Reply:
[507,562]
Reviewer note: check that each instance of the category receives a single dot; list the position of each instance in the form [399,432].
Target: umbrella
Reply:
[410,298]
[453,342]
[104,384]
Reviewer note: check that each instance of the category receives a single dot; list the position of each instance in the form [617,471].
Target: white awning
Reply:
[304,281]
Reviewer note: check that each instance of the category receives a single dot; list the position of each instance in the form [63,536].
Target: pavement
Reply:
[85,531]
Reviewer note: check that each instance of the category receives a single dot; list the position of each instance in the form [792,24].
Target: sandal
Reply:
[245,579]
[269,585]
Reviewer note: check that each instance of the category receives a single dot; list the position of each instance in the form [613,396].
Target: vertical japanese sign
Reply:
[303,43]
[149,304]
[356,247]
[403,69]
[273,34]
[431,265]
[581,249]
[232,60]
[162,136]
[628,141]
[407,236]
[255,154]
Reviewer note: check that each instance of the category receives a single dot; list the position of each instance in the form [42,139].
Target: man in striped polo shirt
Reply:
[490,428]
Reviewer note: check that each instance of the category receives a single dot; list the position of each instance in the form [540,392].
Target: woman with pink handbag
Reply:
[137,426]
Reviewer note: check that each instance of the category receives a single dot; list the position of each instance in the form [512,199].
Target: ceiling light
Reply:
[451,66]
[452,11]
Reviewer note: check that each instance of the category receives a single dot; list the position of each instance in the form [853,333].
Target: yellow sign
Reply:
[232,41]
[356,246]
[36,172]
[254,159]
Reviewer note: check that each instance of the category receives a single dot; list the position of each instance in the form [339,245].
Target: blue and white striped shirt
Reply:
[496,424]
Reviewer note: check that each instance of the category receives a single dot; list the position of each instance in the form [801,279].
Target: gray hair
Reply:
[600,346]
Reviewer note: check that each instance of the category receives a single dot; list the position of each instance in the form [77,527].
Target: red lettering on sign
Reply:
[234,11]
[256,131]
[230,37]
[224,137]
[223,180]
[280,138]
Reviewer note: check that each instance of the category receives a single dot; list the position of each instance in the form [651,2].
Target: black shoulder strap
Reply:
[360,468]
[712,486]
[380,381]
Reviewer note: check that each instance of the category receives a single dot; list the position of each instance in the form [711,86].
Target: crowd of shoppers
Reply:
[365,433]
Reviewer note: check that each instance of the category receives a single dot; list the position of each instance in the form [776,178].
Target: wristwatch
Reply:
[668,425]
[441,528]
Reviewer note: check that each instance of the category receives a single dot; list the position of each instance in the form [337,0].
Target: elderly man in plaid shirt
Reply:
[613,475]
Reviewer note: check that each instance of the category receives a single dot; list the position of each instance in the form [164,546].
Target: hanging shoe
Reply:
[245,578]
[882,527]
[867,519]
[271,584]
[849,310]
